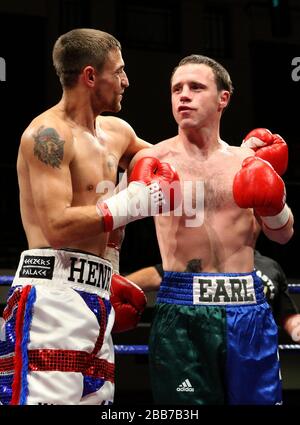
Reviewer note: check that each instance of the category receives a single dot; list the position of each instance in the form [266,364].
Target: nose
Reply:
[185,93]
[125,81]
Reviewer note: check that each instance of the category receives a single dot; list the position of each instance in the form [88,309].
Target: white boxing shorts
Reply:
[56,345]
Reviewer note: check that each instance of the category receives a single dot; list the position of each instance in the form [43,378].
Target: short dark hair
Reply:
[222,77]
[78,48]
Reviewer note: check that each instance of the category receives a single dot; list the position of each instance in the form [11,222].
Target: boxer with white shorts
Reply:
[57,347]
[60,350]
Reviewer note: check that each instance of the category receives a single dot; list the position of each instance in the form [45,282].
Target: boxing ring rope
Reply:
[131,349]
[294,288]
[143,349]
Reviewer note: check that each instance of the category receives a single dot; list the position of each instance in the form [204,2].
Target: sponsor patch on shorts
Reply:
[37,267]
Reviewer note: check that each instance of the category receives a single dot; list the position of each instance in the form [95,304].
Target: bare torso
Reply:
[95,159]
[218,237]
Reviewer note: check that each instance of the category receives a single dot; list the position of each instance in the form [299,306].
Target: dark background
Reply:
[255,40]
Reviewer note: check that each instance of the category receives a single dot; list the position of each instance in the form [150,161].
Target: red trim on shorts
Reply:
[42,360]
[7,364]
[12,303]
[16,385]
[103,320]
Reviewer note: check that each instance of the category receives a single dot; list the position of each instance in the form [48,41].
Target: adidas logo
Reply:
[185,386]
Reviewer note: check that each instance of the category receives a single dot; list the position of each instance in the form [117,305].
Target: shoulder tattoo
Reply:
[48,146]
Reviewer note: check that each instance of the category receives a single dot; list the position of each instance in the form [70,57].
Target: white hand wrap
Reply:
[253,142]
[136,201]
[278,221]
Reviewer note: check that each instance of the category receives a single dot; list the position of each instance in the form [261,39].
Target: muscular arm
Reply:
[148,278]
[48,152]
[135,144]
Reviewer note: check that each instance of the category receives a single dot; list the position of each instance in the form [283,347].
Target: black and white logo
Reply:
[186,386]
[223,290]
[37,267]
[90,272]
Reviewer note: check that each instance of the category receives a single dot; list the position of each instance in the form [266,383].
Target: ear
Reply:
[88,75]
[224,97]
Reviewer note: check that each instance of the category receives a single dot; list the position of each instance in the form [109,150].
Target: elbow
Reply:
[57,245]
[55,237]
[56,242]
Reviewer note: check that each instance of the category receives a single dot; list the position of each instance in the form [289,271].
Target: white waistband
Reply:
[224,290]
[75,269]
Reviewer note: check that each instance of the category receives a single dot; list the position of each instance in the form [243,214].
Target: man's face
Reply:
[194,94]
[111,83]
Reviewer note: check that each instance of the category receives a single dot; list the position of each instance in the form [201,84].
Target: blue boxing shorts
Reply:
[56,345]
[213,340]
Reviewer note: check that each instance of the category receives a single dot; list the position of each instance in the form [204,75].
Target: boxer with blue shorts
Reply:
[214,341]
[213,338]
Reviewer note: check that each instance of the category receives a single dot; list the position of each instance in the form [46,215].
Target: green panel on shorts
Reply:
[187,354]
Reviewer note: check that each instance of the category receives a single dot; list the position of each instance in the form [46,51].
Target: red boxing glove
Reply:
[154,188]
[258,186]
[128,301]
[151,171]
[268,146]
